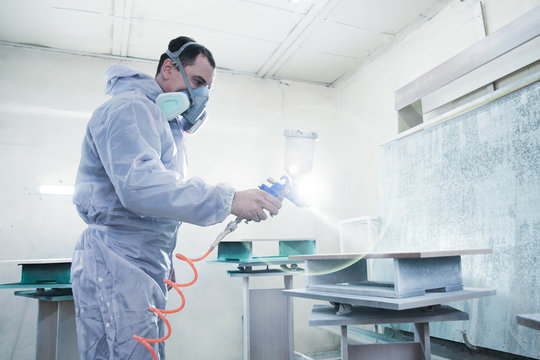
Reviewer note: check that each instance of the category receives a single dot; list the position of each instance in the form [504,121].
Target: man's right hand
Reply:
[250,204]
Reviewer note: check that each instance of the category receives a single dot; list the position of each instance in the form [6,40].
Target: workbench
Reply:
[49,280]
[267,325]
[422,282]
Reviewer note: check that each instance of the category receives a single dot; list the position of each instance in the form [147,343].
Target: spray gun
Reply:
[299,148]
[279,189]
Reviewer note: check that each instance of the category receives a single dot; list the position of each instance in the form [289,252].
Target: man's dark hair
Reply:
[188,55]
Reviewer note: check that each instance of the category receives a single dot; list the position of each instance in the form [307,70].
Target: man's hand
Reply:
[250,204]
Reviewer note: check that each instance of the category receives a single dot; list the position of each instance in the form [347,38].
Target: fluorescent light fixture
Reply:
[56,189]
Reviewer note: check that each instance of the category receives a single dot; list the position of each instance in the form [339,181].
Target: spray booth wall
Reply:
[367,103]
[473,181]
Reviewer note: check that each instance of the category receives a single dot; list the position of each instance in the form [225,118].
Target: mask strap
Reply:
[175,57]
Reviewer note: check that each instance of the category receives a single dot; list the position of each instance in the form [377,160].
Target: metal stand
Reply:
[267,321]
[49,279]
[421,317]
[415,273]
[267,324]
[56,336]
[422,282]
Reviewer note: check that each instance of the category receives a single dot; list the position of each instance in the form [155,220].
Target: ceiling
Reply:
[315,41]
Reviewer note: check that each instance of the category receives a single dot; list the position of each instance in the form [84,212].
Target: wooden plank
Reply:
[322,315]
[268,239]
[390,303]
[368,289]
[34,286]
[498,43]
[529,320]
[393,255]
[520,57]
[36,261]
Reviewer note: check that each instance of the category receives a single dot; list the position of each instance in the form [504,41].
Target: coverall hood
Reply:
[122,78]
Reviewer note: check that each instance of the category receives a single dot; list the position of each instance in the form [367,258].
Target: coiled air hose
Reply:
[231,226]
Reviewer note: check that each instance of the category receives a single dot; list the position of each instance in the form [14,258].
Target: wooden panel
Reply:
[369,288]
[500,42]
[529,320]
[322,315]
[520,57]
[394,304]
[36,261]
[392,255]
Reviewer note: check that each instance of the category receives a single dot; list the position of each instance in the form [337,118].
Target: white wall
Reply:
[46,100]
[367,98]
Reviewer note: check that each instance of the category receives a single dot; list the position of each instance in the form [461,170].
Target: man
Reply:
[131,191]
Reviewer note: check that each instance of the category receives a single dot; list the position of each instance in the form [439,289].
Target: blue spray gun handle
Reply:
[284,189]
[278,189]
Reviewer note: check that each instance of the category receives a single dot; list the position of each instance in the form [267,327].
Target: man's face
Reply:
[200,74]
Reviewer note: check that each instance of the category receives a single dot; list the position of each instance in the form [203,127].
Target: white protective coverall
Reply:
[131,191]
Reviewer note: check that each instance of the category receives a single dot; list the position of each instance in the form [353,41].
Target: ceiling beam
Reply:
[122,11]
[318,11]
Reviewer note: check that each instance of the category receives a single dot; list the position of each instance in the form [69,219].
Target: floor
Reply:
[336,355]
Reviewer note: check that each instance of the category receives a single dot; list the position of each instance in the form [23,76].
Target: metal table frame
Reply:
[422,282]
[421,317]
[49,280]
[255,330]
[267,325]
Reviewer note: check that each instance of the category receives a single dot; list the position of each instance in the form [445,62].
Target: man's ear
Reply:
[167,69]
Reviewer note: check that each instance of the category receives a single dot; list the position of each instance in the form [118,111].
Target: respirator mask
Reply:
[189,103]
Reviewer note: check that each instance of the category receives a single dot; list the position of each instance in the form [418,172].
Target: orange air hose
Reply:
[161,312]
